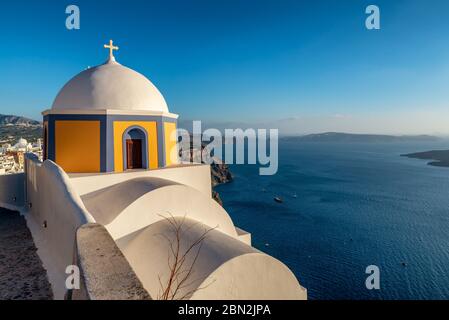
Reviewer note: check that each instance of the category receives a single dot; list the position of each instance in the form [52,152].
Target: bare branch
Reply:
[180,272]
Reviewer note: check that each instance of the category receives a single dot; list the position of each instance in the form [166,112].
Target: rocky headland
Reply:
[440,158]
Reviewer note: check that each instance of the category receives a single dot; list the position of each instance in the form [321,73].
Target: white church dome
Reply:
[110,86]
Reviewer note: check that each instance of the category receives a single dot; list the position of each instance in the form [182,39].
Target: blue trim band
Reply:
[107,135]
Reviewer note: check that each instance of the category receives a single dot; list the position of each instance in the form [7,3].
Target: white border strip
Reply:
[111,112]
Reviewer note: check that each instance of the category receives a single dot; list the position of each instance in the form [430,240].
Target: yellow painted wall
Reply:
[77,145]
[171,150]
[120,128]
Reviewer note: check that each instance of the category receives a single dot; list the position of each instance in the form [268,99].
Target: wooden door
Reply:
[134,153]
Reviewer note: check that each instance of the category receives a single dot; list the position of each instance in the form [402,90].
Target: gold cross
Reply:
[111,48]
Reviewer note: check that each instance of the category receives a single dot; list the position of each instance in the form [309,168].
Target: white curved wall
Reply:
[134,204]
[133,211]
[225,268]
[254,276]
[196,176]
[55,214]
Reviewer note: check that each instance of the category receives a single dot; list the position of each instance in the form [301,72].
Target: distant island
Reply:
[354,138]
[440,158]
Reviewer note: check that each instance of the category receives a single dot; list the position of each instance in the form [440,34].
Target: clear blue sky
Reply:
[301,63]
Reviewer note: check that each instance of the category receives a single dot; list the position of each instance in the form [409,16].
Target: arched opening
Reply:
[135,148]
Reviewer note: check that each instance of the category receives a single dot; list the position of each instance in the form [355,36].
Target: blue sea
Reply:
[356,205]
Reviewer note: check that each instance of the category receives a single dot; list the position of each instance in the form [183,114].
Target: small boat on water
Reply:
[278,200]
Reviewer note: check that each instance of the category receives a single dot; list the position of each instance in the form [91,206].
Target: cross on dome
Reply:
[111,48]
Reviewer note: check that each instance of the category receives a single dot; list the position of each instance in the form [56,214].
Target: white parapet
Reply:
[139,210]
[54,211]
[196,176]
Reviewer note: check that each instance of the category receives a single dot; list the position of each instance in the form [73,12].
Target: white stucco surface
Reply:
[54,213]
[135,208]
[225,267]
[111,112]
[131,205]
[196,176]
[110,86]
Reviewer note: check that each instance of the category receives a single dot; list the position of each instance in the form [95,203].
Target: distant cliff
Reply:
[440,158]
[220,174]
[219,171]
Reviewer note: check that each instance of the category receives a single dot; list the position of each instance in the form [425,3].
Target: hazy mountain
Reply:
[349,137]
[6,120]
[13,128]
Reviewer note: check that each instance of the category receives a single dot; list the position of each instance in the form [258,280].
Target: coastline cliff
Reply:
[219,171]
[220,174]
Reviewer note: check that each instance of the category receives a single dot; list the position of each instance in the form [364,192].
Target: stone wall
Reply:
[12,190]
[105,272]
